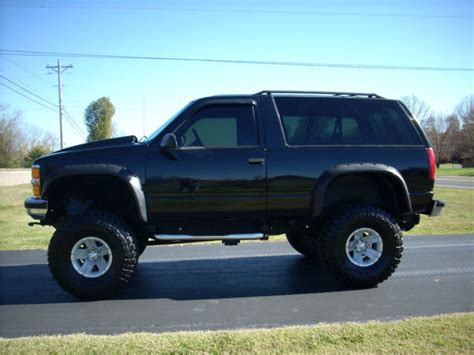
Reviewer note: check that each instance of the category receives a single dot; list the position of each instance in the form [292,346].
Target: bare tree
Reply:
[465,112]
[35,137]
[417,107]
[19,141]
[465,109]
[10,144]
[452,139]
[435,127]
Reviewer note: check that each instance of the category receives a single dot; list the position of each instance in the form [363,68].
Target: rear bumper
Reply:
[436,208]
[37,208]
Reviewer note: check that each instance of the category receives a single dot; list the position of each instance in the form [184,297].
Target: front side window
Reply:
[219,126]
[337,121]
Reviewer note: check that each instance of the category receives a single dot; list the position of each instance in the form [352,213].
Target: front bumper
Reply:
[37,208]
[436,208]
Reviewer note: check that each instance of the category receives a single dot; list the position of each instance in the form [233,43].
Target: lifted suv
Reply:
[340,173]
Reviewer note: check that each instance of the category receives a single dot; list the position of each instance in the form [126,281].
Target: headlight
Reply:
[36,180]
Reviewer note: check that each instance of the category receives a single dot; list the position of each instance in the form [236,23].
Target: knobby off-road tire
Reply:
[335,245]
[304,242]
[100,229]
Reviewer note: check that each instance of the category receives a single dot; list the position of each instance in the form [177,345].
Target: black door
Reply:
[217,172]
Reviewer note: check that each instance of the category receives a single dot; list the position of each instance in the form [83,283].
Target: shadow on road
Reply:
[183,280]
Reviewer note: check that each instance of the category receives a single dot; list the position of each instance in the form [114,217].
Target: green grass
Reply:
[454,170]
[14,230]
[15,234]
[440,334]
[457,217]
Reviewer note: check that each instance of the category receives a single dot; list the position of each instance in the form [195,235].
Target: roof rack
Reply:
[331,93]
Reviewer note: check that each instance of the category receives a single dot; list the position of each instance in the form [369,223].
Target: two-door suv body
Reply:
[341,174]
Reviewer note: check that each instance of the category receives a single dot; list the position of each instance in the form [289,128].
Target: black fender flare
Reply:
[359,168]
[131,180]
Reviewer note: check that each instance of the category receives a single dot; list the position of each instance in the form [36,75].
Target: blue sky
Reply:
[151,91]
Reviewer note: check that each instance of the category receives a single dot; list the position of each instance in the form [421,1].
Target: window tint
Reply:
[219,126]
[333,121]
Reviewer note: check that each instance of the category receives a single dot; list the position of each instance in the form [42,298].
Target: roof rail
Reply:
[330,93]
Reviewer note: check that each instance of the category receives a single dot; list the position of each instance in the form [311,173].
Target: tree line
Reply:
[451,134]
[21,144]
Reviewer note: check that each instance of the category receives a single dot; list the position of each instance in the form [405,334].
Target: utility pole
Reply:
[60,69]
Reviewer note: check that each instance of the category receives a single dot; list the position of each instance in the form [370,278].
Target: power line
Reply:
[70,120]
[243,11]
[235,61]
[74,124]
[71,116]
[71,104]
[28,91]
[27,97]
[18,80]
[26,70]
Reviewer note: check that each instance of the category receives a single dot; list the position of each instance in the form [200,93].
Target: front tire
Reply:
[93,255]
[361,246]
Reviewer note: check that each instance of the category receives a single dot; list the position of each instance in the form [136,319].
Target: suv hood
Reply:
[102,144]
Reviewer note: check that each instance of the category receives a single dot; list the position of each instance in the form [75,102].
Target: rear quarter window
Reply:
[344,121]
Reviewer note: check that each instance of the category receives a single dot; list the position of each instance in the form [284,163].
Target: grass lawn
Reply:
[440,334]
[16,234]
[457,217]
[14,230]
[454,170]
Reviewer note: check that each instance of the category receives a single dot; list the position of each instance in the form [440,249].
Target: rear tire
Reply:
[361,246]
[93,255]
[304,242]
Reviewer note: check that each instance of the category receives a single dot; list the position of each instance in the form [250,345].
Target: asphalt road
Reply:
[460,182]
[260,284]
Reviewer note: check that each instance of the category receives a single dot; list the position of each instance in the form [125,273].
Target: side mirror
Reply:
[169,142]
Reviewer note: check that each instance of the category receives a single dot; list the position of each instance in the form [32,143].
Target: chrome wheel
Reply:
[364,247]
[91,257]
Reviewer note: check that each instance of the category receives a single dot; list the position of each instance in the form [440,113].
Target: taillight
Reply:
[432,161]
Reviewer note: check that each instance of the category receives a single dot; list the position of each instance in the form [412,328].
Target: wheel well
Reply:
[376,189]
[72,195]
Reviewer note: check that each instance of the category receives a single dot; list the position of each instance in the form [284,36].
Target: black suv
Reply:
[340,173]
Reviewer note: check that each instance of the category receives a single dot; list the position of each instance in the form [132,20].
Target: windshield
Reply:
[165,124]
